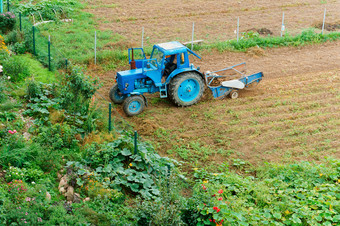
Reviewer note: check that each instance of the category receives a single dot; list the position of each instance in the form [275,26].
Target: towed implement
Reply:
[169,72]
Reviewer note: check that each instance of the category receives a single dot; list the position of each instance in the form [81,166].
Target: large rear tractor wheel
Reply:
[115,96]
[133,105]
[186,89]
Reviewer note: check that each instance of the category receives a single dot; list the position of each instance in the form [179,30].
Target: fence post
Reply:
[110,107]
[135,139]
[7,5]
[323,23]
[95,47]
[238,28]
[192,35]
[169,173]
[283,24]
[34,53]
[142,37]
[49,53]
[1,6]
[20,21]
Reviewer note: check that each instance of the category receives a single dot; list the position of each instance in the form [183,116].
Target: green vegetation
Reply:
[251,39]
[60,166]
[296,194]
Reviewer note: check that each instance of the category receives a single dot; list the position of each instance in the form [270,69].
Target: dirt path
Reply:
[169,20]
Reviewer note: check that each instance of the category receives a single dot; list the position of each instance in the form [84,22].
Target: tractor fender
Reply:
[139,94]
[183,70]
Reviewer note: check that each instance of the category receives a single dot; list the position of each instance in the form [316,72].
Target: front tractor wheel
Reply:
[115,96]
[186,89]
[133,105]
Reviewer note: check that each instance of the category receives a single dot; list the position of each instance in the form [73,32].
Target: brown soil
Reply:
[329,26]
[306,79]
[292,115]
[214,20]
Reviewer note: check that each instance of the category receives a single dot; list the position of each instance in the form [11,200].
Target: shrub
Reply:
[16,68]
[77,90]
[57,137]
[164,209]
[7,22]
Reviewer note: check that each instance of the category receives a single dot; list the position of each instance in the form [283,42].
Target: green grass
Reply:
[306,37]
[38,71]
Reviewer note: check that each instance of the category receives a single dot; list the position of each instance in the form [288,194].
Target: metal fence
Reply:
[37,43]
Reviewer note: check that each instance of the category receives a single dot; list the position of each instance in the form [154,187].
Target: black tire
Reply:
[133,105]
[115,96]
[182,85]
[233,94]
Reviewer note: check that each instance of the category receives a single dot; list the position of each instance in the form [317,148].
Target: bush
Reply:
[19,48]
[163,210]
[16,68]
[7,22]
[77,91]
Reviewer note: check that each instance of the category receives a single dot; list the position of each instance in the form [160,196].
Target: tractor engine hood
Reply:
[126,79]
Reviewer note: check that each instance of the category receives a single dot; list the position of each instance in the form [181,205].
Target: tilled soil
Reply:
[214,19]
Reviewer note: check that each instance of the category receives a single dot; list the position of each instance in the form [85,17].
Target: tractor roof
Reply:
[170,48]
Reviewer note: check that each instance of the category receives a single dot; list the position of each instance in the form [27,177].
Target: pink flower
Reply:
[220,199]
[26,213]
[10,131]
[220,191]
[14,131]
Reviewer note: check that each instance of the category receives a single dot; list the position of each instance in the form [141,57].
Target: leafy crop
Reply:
[117,166]
[303,194]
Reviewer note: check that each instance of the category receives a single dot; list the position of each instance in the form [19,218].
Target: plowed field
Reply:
[292,115]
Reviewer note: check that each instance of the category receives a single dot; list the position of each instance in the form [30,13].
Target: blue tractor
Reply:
[167,71]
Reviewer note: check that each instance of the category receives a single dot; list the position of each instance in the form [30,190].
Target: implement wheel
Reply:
[115,96]
[233,94]
[133,105]
[186,89]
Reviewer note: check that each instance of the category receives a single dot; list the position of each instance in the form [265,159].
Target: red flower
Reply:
[220,198]
[204,204]
[220,191]
[213,195]
[210,220]
[218,210]
[214,221]
[204,188]
[215,208]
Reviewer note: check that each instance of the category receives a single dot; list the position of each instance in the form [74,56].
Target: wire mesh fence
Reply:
[36,42]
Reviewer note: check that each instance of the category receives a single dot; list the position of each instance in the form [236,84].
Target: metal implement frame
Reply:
[210,76]
[220,91]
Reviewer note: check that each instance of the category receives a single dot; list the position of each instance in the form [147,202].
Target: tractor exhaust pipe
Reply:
[133,62]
